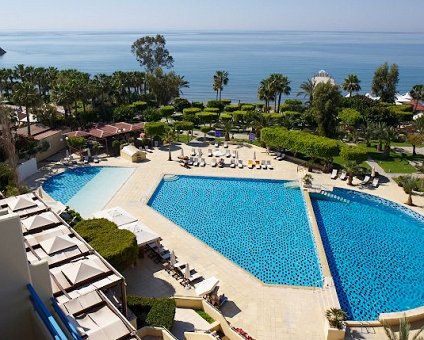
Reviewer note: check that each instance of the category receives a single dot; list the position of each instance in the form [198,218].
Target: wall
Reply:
[16,320]
[57,143]
[27,169]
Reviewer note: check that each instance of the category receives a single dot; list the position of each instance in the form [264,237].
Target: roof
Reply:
[107,130]
[38,131]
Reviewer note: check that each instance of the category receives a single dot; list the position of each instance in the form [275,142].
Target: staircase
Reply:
[332,196]
[170,178]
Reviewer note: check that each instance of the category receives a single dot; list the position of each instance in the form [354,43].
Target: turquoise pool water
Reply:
[375,250]
[86,189]
[258,224]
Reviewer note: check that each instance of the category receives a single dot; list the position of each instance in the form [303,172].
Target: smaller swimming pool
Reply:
[86,189]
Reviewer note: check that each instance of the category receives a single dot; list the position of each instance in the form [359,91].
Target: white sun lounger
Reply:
[240,163]
[343,176]
[202,162]
[334,174]
[193,152]
[366,180]
[213,164]
[210,153]
[206,286]
[227,153]
[225,144]
[234,153]
[233,163]
[196,162]
[375,182]
[190,161]
[258,164]
[264,165]
[268,163]
[216,144]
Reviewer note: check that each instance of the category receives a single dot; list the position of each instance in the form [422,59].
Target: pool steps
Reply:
[292,185]
[333,196]
[170,178]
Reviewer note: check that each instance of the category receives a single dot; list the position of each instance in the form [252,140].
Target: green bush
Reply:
[191,110]
[158,312]
[217,104]
[354,153]
[205,315]
[116,147]
[226,101]
[211,109]
[152,115]
[350,117]
[184,125]
[123,113]
[199,105]
[155,129]
[180,104]
[231,107]
[226,116]
[117,246]
[292,105]
[248,107]
[139,106]
[167,111]
[207,117]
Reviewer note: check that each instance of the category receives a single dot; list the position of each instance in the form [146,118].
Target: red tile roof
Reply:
[38,131]
[107,130]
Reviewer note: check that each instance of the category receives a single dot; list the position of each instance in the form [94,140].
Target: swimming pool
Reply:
[258,224]
[375,250]
[86,189]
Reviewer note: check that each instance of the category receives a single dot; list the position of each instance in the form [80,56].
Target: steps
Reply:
[292,185]
[334,197]
[170,178]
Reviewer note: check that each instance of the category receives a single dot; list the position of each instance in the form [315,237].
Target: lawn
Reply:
[396,163]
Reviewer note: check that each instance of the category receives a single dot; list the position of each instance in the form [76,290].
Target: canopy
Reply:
[206,286]
[80,271]
[57,243]
[38,221]
[21,203]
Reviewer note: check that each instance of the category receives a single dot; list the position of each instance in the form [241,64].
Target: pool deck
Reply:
[264,311]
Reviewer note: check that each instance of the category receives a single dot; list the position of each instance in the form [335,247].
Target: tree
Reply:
[151,52]
[265,92]
[165,86]
[205,129]
[385,81]
[26,95]
[279,85]
[155,129]
[415,139]
[220,79]
[409,184]
[417,93]
[367,132]
[351,168]
[307,90]
[76,143]
[169,138]
[325,104]
[404,331]
[167,111]
[351,84]
[184,126]
[389,135]
[7,140]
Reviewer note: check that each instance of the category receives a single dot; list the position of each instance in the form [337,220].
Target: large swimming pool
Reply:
[375,250]
[258,224]
[86,189]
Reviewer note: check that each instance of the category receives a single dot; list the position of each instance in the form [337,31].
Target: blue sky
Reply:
[167,15]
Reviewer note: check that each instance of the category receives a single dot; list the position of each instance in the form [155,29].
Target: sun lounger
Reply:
[206,286]
[375,182]
[190,161]
[225,144]
[234,153]
[227,153]
[216,144]
[264,165]
[343,176]
[96,159]
[85,159]
[193,152]
[196,162]
[202,162]
[258,164]
[213,164]
[366,180]
[240,163]
[221,163]
[269,165]
[233,163]
[199,152]
[250,164]
[334,174]
[210,153]
[280,156]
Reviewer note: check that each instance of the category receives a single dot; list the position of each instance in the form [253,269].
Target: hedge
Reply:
[155,129]
[212,109]
[184,125]
[300,142]
[139,105]
[117,246]
[350,117]
[354,153]
[226,116]
[158,312]
[167,111]
[232,107]
[218,104]
[248,107]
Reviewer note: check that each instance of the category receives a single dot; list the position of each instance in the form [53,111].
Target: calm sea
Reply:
[247,56]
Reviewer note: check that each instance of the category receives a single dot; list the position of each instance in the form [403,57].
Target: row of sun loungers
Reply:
[85,160]
[368,180]
[264,164]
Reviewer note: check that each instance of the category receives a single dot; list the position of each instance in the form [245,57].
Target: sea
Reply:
[248,57]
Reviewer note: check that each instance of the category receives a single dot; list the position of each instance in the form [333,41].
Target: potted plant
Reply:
[307,180]
[335,327]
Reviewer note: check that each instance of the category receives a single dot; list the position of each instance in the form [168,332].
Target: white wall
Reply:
[27,169]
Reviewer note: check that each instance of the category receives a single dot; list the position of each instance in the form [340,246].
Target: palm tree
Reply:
[367,132]
[25,94]
[417,93]
[265,92]
[409,184]
[169,138]
[228,124]
[351,84]
[351,168]
[307,90]
[279,85]
[389,134]
[404,331]
[220,79]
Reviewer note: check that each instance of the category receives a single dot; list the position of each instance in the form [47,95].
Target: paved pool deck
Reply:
[264,311]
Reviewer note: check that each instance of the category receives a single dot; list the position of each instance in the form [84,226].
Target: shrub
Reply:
[151,115]
[211,109]
[231,107]
[180,104]
[216,103]
[123,113]
[117,246]
[357,154]
[291,105]
[226,116]
[226,101]
[167,111]
[158,312]
[207,117]
[155,129]
[139,106]
[205,315]
[184,125]
[248,107]
[116,147]
[191,110]
[350,117]
[199,105]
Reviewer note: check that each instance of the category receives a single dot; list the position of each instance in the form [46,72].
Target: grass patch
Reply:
[341,163]
[205,315]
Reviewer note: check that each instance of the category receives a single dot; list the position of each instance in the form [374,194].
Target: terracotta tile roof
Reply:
[107,130]
[38,131]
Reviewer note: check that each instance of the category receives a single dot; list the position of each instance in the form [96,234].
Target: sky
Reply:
[168,15]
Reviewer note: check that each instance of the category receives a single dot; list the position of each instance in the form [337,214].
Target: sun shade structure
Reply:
[39,221]
[20,203]
[57,243]
[81,271]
